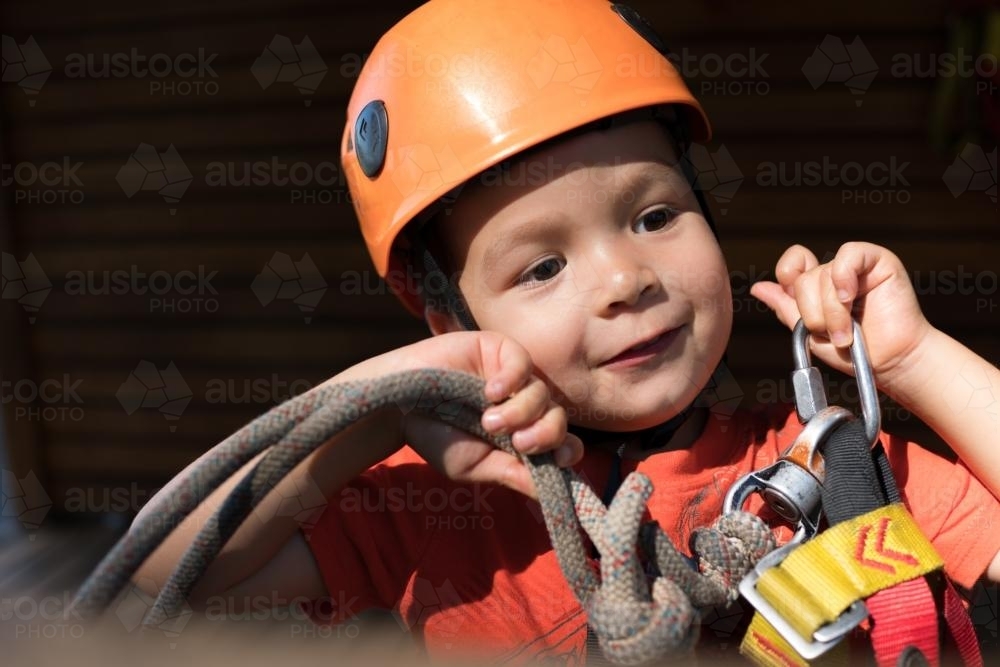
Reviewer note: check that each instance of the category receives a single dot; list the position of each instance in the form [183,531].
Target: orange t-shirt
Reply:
[470,567]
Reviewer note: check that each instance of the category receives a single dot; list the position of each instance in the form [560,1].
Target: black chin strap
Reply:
[437,285]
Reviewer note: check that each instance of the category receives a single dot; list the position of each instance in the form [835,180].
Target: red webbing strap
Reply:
[960,626]
[903,616]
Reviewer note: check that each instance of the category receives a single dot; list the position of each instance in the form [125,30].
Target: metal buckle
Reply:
[825,637]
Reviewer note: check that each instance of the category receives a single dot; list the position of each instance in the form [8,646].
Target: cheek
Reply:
[553,343]
[707,281]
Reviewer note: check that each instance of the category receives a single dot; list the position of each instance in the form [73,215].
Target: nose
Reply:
[626,278]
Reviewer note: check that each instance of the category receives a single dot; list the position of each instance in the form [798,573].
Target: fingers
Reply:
[535,423]
[507,367]
[822,295]
[775,298]
[524,407]
[510,471]
[792,264]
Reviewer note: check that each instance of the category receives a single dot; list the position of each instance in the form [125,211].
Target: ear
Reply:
[441,322]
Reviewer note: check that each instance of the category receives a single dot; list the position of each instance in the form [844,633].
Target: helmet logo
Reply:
[641,26]
[371,137]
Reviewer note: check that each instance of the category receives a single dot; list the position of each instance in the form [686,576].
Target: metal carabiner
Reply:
[792,486]
[810,396]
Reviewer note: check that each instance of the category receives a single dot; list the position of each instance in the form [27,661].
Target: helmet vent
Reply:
[371,137]
[641,26]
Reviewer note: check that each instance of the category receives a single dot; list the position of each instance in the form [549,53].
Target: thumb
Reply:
[775,297]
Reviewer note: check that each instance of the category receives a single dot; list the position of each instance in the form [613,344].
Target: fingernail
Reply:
[523,440]
[563,456]
[494,388]
[493,421]
[843,295]
[840,338]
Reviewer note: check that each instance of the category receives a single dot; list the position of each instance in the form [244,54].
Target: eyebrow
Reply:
[636,179]
[533,229]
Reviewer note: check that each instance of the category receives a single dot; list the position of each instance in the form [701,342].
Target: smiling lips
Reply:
[643,350]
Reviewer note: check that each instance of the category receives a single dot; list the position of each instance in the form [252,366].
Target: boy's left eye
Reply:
[655,220]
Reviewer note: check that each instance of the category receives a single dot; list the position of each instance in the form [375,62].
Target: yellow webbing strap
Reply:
[846,563]
[763,645]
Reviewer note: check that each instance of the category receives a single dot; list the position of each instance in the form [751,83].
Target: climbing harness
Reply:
[871,565]
[635,620]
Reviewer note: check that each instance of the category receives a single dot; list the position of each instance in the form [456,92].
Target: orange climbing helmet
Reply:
[458,86]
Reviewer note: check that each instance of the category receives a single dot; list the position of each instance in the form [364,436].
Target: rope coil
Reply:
[636,621]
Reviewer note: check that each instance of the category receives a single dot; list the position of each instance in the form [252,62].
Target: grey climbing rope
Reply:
[635,622]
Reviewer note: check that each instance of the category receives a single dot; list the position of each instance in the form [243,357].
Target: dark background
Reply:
[239,349]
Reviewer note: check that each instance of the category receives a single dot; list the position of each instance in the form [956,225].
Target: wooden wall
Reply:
[227,336]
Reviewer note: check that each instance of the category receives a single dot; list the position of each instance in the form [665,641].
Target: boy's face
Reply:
[586,252]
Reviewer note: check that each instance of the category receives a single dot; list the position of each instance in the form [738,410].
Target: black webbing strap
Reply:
[854,476]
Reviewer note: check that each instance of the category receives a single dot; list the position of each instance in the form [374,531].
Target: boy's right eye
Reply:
[542,271]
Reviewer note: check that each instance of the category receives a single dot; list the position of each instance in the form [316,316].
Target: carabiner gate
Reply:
[810,396]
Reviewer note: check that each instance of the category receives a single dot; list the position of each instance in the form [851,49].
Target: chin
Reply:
[623,419]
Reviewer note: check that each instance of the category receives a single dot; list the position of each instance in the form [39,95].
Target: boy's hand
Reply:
[534,421]
[862,276]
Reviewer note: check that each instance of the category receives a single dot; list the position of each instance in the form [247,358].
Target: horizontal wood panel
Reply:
[896,108]
[752,213]
[88,461]
[333,347]
[695,17]
[243,162]
[322,351]
[147,453]
[60,18]
[715,67]
[957,298]
[239,262]
[127,220]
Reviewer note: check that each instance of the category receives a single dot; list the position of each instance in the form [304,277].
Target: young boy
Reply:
[537,169]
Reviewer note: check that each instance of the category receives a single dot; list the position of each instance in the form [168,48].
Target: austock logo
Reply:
[304,503]
[442,604]
[718,173]
[23,499]
[722,395]
[164,173]
[285,279]
[147,387]
[136,603]
[559,62]
[834,62]
[24,65]
[419,168]
[283,62]
[24,282]
[973,171]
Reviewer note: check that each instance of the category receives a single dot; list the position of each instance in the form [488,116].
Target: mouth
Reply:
[644,349]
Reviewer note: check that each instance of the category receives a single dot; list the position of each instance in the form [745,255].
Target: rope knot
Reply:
[730,548]
[634,624]
[633,631]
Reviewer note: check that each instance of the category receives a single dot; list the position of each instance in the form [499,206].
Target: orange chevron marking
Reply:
[880,549]
[772,649]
